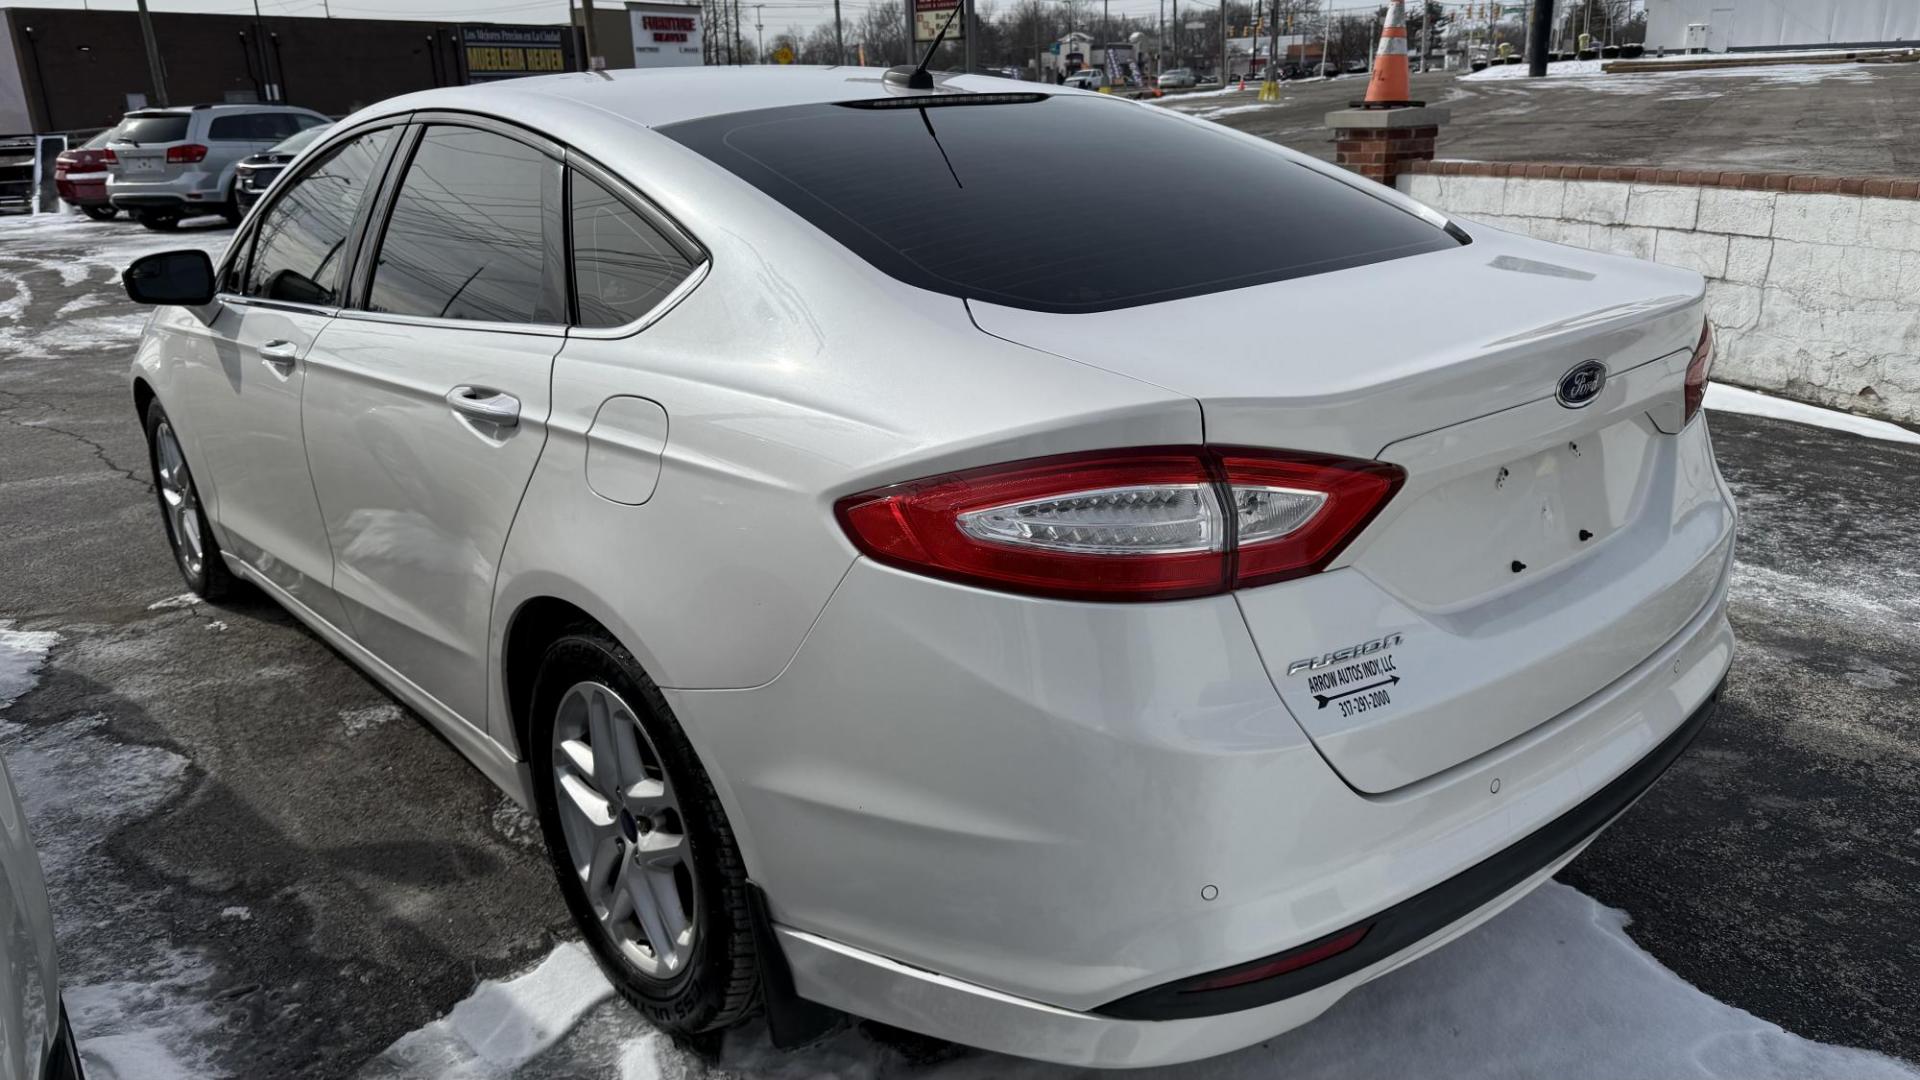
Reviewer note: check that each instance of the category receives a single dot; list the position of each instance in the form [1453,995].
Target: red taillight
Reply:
[189,154]
[108,157]
[1155,524]
[1698,369]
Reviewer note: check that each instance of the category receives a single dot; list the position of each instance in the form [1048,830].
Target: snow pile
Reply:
[1733,399]
[1497,72]
[1586,75]
[1229,110]
[1552,988]
[504,1025]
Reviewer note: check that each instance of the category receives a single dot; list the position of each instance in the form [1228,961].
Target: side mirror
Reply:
[170,277]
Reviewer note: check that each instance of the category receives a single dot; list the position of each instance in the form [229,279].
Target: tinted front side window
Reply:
[302,239]
[167,127]
[230,128]
[622,265]
[474,233]
[994,202]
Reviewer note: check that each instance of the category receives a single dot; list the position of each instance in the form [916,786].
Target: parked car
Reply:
[1087,79]
[993,643]
[177,163]
[254,175]
[80,174]
[1177,79]
[16,173]
[39,1042]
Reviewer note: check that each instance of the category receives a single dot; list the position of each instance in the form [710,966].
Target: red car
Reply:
[81,175]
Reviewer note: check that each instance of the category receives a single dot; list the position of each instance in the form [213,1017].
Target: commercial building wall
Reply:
[83,69]
[1772,24]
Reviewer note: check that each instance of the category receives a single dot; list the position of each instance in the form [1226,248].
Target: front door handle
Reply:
[488,406]
[279,355]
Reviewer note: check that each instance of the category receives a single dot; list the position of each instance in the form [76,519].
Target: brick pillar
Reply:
[1378,143]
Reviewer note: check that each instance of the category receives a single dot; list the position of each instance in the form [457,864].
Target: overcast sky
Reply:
[777,15]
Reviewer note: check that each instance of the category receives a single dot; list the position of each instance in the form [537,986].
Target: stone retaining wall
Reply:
[1813,282]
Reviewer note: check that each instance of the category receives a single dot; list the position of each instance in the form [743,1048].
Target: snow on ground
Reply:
[1586,75]
[1734,399]
[145,1014]
[41,243]
[21,654]
[1229,110]
[1499,72]
[1554,987]
[1190,95]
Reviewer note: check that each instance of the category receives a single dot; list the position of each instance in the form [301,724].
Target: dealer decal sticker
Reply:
[1357,679]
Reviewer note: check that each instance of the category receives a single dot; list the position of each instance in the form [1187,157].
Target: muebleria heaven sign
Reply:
[508,52]
[665,35]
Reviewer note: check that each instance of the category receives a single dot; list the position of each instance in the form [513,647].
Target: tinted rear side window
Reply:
[622,266]
[474,233]
[171,127]
[996,203]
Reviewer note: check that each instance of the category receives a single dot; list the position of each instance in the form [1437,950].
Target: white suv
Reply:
[176,163]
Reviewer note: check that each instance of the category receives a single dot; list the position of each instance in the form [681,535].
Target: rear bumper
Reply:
[149,201]
[1162,1026]
[190,190]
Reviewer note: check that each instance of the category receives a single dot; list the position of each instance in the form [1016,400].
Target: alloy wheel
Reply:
[182,502]
[626,835]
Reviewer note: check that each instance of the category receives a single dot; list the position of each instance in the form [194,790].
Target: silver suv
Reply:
[177,163]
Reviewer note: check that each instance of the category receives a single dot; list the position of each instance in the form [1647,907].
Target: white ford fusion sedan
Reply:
[897,595]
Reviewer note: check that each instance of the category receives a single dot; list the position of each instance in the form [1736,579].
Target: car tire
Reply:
[158,220]
[232,211]
[591,690]
[195,551]
[99,213]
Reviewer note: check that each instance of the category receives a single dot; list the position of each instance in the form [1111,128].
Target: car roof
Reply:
[670,95]
[220,106]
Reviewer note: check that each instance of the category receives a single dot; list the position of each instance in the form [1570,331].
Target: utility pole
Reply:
[1176,33]
[839,43]
[760,32]
[594,60]
[1542,30]
[739,39]
[972,30]
[1326,38]
[260,47]
[1426,35]
[153,56]
[1223,45]
[1273,48]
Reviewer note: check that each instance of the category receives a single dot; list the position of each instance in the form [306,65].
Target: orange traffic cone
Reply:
[1389,84]
[1243,84]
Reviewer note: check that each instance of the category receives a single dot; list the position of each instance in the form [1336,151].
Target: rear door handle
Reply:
[488,406]
[279,355]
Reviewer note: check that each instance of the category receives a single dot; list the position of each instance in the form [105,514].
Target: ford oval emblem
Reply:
[1580,386]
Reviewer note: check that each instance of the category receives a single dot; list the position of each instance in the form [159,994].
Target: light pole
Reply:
[760,31]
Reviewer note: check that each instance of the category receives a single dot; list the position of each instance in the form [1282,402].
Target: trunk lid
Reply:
[1536,552]
[1349,361]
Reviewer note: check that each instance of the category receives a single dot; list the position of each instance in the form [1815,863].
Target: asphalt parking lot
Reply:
[1839,119]
[262,866]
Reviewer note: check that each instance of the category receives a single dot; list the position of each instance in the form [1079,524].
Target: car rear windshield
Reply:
[1062,203]
[160,128]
